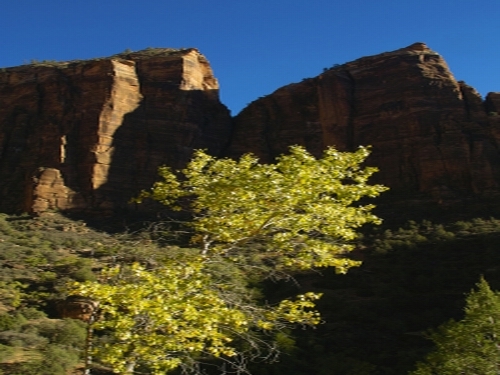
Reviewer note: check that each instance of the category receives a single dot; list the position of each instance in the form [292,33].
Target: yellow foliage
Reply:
[295,214]
[298,212]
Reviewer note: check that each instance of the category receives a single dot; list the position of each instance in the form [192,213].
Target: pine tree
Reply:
[470,346]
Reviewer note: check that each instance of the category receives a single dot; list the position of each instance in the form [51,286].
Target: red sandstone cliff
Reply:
[429,133]
[91,134]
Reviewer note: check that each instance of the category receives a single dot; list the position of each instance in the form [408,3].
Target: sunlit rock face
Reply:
[429,133]
[89,135]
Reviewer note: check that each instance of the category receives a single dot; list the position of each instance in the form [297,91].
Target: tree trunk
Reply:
[130,368]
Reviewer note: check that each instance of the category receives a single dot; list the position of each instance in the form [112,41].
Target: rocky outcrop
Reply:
[429,133]
[76,307]
[493,104]
[90,135]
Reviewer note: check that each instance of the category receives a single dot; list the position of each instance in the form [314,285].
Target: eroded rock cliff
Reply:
[429,133]
[90,135]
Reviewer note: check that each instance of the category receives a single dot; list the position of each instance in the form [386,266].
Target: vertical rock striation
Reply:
[429,133]
[90,135]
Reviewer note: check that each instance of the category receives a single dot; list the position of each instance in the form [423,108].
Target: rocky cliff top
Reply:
[126,55]
[89,135]
[431,135]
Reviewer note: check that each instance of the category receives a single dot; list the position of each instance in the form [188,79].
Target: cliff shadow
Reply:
[158,133]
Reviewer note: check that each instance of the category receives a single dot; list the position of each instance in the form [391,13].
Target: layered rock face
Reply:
[429,133]
[90,135]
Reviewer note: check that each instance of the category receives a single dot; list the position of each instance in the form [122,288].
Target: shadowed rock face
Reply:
[76,307]
[429,133]
[90,135]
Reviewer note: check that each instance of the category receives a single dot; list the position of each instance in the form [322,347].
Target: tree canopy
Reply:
[296,214]
[168,316]
[469,346]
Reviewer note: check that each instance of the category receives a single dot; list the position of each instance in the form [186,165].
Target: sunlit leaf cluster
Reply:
[297,212]
[161,318]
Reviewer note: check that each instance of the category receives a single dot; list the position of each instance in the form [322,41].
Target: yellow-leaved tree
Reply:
[254,219]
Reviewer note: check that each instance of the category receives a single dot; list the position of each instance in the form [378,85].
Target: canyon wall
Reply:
[89,135]
[429,133]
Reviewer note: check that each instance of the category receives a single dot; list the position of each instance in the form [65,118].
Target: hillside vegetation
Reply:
[412,278]
[39,257]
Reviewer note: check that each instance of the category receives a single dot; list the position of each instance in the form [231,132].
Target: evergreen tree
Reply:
[470,346]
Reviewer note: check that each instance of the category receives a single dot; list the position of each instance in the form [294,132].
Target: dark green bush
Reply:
[31,313]
[54,361]
[26,340]
[11,321]
[66,332]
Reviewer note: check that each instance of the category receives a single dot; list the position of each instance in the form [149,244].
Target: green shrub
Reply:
[31,313]
[67,332]
[54,361]
[11,294]
[26,340]
[5,352]
[83,274]
[11,322]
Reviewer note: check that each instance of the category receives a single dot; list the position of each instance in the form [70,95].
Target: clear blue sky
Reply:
[257,46]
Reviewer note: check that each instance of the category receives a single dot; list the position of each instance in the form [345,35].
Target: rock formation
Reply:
[429,133]
[76,307]
[90,135]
